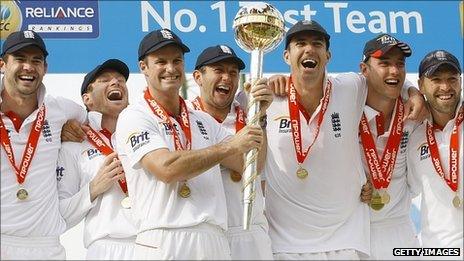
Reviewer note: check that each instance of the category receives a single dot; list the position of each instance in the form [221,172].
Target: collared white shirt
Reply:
[157,204]
[441,222]
[38,215]
[233,190]
[78,164]
[400,194]
[322,212]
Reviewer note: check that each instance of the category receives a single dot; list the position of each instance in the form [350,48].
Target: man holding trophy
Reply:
[171,156]
[217,72]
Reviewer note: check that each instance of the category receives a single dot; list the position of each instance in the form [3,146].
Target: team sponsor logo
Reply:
[54,19]
[138,139]
[46,132]
[168,129]
[91,153]
[202,130]
[284,123]
[336,124]
[424,151]
[11,18]
[59,173]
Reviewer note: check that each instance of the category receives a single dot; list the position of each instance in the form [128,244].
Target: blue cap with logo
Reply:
[158,39]
[218,53]
[433,60]
[21,39]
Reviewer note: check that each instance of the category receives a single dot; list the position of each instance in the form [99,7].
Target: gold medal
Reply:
[184,191]
[22,194]
[457,202]
[301,173]
[126,203]
[385,197]
[376,201]
[235,176]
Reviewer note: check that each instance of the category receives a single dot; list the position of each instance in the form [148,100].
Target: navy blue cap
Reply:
[381,44]
[21,39]
[111,64]
[306,26]
[433,60]
[218,53]
[158,39]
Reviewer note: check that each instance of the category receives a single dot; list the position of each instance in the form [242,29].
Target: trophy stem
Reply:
[251,172]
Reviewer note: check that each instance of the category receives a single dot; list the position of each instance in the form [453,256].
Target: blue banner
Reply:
[81,34]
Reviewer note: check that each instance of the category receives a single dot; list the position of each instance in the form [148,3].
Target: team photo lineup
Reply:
[298,165]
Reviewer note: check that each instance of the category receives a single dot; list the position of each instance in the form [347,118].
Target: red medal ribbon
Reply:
[381,170]
[94,138]
[30,149]
[240,121]
[295,119]
[452,179]
[184,120]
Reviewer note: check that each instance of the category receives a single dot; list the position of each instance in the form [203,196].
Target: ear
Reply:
[286,56]
[87,99]
[420,83]
[197,77]
[45,67]
[329,55]
[143,67]
[2,66]
[363,68]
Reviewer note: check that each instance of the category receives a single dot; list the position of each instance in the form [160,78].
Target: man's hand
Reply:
[110,171]
[248,138]
[415,107]
[366,192]
[261,93]
[72,131]
[278,84]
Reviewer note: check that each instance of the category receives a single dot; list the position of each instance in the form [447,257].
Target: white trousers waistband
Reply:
[30,241]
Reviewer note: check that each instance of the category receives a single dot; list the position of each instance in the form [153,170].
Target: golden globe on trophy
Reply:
[259,28]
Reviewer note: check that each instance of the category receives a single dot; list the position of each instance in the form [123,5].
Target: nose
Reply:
[445,86]
[114,81]
[27,66]
[394,70]
[170,67]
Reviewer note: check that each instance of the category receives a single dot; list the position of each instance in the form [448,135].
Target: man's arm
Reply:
[73,187]
[172,166]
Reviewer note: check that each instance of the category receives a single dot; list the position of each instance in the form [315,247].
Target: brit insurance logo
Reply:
[55,19]
[138,139]
[11,19]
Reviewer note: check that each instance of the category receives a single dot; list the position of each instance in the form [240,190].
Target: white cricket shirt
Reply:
[78,164]
[322,212]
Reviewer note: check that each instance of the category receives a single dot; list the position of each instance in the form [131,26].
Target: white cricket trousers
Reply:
[252,244]
[111,249]
[31,248]
[392,233]
[200,242]
[343,254]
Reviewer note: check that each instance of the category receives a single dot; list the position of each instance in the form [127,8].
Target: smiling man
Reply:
[30,128]
[90,177]
[435,152]
[217,72]
[171,155]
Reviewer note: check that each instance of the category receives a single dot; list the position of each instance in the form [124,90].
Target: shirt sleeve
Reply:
[73,186]
[404,91]
[137,134]
[72,110]
[413,177]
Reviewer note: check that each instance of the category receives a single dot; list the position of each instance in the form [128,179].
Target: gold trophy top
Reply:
[258,26]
